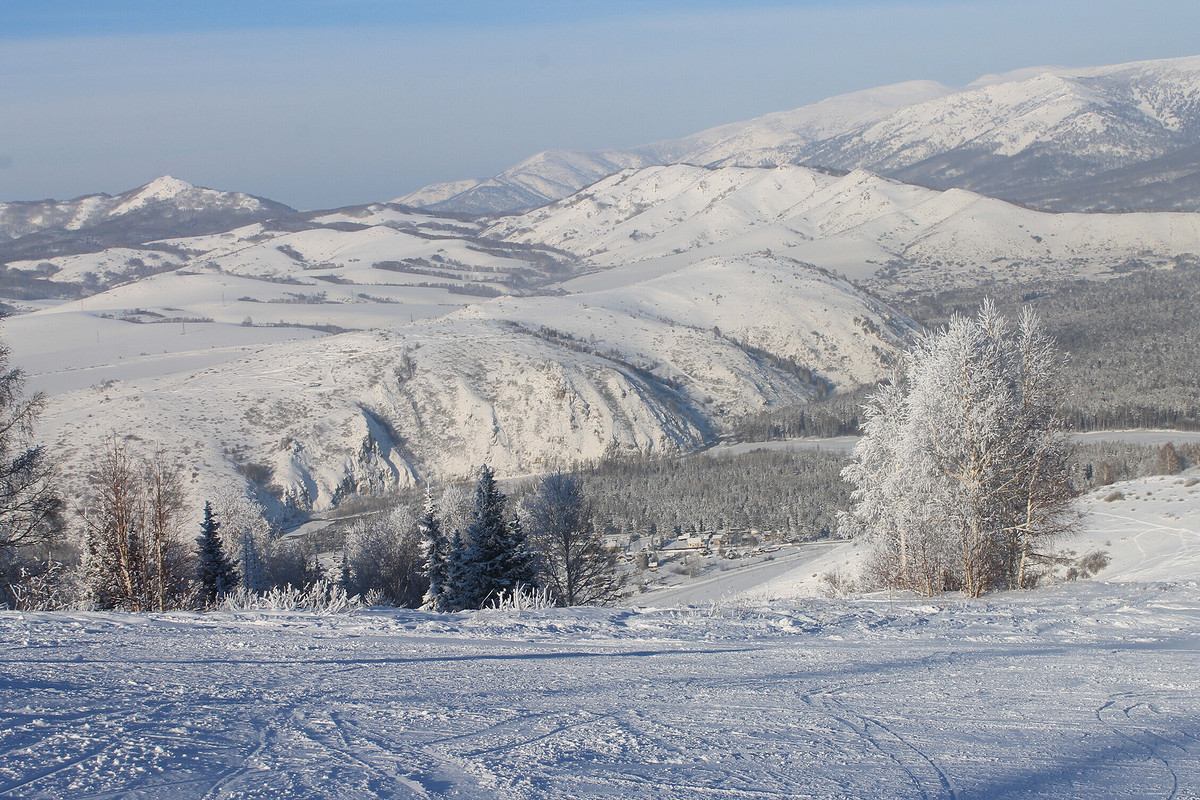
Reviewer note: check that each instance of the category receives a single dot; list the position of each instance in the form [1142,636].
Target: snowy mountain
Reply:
[895,237]
[524,383]
[165,207]
[1033,134]
[534,182]
[431,378]
[1066,139]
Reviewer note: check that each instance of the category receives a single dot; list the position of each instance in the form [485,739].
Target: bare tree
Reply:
[134,559]
[167,554]
[572,561]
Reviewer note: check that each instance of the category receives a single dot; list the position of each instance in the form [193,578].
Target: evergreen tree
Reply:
[436,556]
[522,561]
[217,575]
[252,567]
[458,574]
[497,561]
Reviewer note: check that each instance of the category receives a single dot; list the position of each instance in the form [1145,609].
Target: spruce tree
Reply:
[435,553]
[497,561]
[217,575]
[252,566]
[458,574]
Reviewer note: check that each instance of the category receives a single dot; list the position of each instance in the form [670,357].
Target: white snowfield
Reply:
[1082,691]
[1077,690]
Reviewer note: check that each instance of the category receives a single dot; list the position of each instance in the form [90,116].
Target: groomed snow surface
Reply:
[1079,690]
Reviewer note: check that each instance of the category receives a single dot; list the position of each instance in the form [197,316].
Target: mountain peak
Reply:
[164,187]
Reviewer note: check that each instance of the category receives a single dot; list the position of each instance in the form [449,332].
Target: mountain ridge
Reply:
[1045,136]
[165,207]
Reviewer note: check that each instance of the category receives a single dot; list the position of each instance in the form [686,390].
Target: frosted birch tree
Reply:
[961,474]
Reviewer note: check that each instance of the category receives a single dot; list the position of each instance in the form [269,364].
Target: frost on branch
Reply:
[961,475]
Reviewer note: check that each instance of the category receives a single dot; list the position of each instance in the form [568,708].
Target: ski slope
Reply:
[734,685]
[1085,690]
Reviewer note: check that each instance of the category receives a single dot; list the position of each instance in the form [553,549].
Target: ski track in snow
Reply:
[1086,690]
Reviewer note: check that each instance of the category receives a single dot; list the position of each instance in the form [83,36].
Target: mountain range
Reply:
[1122,137]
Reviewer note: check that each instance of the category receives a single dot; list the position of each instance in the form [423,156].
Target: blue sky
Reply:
[318,104]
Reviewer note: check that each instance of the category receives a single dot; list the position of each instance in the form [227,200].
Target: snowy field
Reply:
[1088,689]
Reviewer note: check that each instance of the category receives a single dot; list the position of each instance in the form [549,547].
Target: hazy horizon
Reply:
[322,104]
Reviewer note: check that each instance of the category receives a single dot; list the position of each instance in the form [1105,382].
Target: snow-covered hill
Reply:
[164,207]
[895,236]
[643,314]
[1099,138]
[523,383]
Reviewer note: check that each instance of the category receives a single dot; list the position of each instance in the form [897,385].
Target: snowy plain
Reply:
[1088,689]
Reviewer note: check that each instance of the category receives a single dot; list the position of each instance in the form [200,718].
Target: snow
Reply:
[662,218]
[1149,527]
[1084,690]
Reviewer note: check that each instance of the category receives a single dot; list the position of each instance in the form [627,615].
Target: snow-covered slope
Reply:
[1077,692]
[874,229]
[1050,135]
[523,383]
[1148,530]
[164,207]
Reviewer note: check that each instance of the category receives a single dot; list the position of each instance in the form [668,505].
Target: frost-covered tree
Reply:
[30,505]
[435,555]
[383,554]
[217,574]
[961,474]
[265,558]
[573,564]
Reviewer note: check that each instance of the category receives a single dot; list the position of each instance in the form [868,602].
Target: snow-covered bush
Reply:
[521,598]
[322,597]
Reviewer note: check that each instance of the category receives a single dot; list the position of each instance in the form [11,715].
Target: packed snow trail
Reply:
[1088,690]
